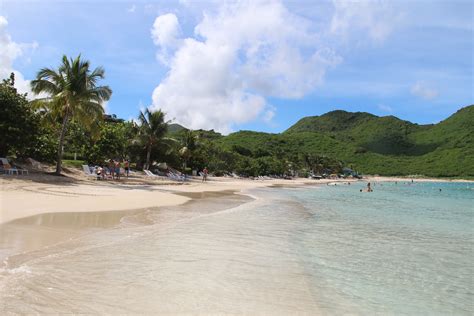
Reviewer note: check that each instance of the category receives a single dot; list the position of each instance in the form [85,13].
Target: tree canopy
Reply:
[72,94]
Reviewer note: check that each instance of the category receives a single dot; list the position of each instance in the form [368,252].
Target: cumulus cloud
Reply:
[269,114]
[376,17]
[9,51]
[241,54]
[166,35]
[105,106]
[422,90]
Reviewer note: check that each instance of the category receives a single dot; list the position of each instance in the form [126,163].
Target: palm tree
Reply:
[189,143]
[72,94]
[152,130]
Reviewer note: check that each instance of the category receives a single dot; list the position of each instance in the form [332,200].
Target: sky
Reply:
[253,65]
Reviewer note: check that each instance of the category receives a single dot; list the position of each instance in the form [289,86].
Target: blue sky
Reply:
[258,65]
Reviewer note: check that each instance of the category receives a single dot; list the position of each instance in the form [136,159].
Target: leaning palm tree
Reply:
[72,93]
[153,128]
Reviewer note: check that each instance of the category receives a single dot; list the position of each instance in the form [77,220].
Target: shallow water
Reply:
[402,249]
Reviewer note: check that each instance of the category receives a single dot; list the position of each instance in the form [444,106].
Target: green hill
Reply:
[174,128]
[371,144]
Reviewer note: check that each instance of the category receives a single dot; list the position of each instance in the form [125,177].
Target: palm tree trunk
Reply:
[148,153]
[60,145]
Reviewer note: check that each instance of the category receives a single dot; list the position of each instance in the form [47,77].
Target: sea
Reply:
[404,249]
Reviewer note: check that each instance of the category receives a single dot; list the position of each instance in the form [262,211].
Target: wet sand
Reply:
[34,215]
[29,234]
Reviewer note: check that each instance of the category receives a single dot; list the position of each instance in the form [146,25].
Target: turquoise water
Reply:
[404,249]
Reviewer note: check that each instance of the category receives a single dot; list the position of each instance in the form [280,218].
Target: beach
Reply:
[224,246]
[25,196]
[32,195]
[40,210]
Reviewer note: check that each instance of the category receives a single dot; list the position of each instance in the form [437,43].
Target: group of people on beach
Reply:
[113,168]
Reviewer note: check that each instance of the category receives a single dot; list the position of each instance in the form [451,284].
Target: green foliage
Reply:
[44,145]
[390,146]
[73,163]
[152,131]
[113,143]
[321,144]
[73,94]
[19,125]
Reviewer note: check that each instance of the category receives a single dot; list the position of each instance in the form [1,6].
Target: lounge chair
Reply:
[9,169]
[150,174]
[176,177]
[88,172]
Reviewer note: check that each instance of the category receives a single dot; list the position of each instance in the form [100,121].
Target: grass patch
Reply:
[74,163]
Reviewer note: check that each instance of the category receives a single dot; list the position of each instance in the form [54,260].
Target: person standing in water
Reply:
[204,174]
[369,189]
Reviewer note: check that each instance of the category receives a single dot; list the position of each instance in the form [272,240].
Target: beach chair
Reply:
[176,177]
[88,172]
[9,169]
[148,173]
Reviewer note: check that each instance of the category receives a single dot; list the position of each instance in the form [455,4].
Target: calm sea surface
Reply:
[404,249]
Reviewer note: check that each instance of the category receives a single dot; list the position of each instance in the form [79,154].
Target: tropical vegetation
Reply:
[72,94]
[69,123]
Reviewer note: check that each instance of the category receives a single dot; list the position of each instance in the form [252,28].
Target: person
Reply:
[99,171]
[118,165]
[204,174]
[111,168]
[126,165]
[369,189]
[103,172]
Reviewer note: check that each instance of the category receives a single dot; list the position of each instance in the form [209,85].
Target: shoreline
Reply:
[25,239]
[22,197]
[21,238]
[35,215]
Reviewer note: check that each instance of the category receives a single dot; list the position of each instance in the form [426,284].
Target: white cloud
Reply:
[9,51]
[269,114]
[165,34]
[132,9]
[222,75]
[422,90]
[242,53]
[105,106]
[373,16]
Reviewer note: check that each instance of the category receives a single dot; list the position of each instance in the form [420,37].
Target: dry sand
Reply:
[24,196]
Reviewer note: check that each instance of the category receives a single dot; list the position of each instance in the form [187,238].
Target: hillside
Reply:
[371,144]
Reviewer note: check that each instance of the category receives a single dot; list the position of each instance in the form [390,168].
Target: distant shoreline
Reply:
[24,196]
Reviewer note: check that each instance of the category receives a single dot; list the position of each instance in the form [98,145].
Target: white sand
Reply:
[23,196]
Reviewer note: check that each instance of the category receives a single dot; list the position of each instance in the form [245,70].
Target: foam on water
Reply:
[403,249]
